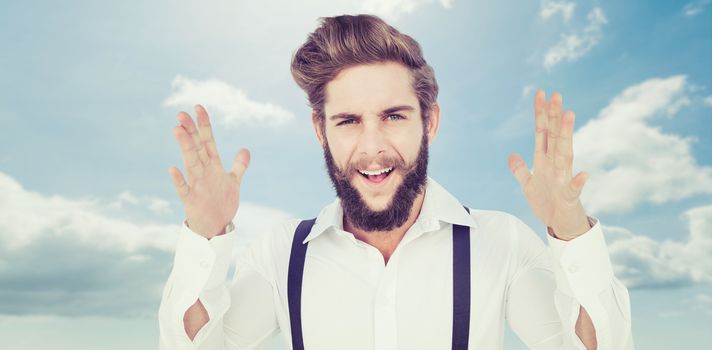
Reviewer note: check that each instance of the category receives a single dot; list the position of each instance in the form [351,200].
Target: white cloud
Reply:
[631,161]
[574,45]
[27,216]
[393,9]
[63,256]
[229,105]
[695,7]
[641,262]
[550,8]
[708,100]
[155,205]
[277,39]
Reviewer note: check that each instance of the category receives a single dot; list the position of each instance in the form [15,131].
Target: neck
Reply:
[387,241]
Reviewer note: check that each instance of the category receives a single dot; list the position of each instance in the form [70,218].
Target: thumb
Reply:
[519,168]
[240,164]
[578,182]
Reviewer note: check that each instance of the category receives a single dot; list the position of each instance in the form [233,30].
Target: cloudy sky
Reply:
[89,93]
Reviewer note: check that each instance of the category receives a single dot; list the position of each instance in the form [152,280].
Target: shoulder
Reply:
[498,220]
[503,226]
[280,237]
[509,237]
[489,217]
[266,252]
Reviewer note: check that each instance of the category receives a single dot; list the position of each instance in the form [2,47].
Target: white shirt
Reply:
[352,300]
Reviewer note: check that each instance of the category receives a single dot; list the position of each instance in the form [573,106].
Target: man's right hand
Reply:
[211,195]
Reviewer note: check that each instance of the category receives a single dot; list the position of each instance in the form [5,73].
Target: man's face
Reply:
[375,144]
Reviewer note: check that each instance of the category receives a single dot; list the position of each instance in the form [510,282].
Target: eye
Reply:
[346,122]
[394,117]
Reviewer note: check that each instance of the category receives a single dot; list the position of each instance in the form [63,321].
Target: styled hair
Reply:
[344,41]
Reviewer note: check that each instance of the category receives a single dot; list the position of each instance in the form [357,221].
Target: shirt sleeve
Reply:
[199,272]
[550,285]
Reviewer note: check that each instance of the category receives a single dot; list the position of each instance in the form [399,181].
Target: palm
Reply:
[214,197]
[551,191]
[211,195]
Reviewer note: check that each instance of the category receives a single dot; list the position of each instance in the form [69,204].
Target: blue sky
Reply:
[89,93]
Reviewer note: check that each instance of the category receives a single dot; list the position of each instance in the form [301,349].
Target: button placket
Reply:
[385,323]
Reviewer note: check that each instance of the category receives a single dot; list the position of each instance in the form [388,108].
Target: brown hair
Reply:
[344,41]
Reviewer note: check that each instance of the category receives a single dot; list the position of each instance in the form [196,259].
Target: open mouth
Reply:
[376,176]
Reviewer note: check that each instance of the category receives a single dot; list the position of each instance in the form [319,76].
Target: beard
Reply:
[398,210]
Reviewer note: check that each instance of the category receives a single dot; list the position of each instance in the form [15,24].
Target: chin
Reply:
[378,205]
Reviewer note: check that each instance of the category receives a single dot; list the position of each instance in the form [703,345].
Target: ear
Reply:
[433,123]
[317,128]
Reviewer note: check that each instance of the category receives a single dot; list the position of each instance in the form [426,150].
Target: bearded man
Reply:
[396,261]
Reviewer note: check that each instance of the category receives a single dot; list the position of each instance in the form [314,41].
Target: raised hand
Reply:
[211,195]
[551,191]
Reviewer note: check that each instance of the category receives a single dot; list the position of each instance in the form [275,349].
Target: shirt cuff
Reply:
[582,265]
[200,264]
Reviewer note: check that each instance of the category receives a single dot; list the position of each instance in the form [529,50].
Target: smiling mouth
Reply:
[376,176]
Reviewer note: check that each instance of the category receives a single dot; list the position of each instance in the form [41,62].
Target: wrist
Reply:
[223,230]
[568,233]
[209,231]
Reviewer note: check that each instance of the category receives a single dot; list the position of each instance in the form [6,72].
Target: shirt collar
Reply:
[439,205]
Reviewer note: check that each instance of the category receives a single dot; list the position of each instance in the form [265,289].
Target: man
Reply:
[396,262]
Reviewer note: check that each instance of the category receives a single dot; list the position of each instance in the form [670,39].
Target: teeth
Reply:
[375,172]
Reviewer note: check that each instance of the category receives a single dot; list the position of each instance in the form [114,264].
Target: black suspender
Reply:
[294,282]
[460,284]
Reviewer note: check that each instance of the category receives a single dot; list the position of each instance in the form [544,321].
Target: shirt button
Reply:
[204,264]
[573,268]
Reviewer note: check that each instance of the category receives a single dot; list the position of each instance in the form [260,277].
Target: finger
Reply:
[206,132]
[191,160]
[540,122]
[577,183]
[187,122]
[240,164]
[564,153]
[519,168]
[554,123]
[181,186]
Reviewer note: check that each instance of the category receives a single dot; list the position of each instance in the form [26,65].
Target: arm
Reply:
[195,292]
[198,277]
[197,316]
[585,329]
[552,192]
[585,280]
[194,319]
[199,310]
[566,296]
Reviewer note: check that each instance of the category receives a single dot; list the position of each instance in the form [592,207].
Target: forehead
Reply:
[370,88]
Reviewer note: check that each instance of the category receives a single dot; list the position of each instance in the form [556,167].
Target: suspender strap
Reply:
[294,282]
[460,286]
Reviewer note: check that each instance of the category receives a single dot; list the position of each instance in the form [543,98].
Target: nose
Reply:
[372,141]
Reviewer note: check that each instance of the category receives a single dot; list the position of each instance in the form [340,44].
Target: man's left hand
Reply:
[551,191]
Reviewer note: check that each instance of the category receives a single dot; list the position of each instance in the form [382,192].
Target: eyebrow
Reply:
[389,110]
